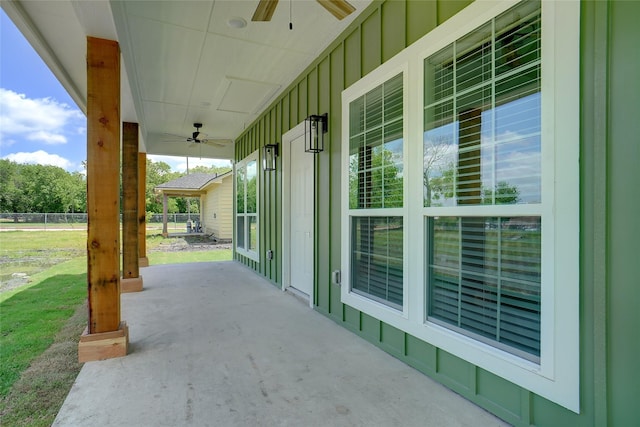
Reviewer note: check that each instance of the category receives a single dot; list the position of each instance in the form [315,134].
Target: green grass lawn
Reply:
[35,375]
[31,318]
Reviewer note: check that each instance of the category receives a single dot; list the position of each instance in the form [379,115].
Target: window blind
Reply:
[485,278]
[376,147]
[482,146]
[376,258]
[376,150]
[482,125]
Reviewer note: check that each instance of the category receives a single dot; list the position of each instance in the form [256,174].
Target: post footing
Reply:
[130,285]
[103,345]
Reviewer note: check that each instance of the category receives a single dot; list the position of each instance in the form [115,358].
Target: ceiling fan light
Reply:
[236,22]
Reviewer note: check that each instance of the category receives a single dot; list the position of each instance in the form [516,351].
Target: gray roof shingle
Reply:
[194,181]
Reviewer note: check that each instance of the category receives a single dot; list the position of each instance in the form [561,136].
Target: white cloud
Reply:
[40,120]
[179,164]
[40,158]
[47,137]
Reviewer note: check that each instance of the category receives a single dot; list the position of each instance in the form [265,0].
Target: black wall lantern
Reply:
[269,157]
[314,129]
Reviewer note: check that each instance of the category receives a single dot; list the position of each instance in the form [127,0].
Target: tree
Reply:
[213,169]
[157,173]
[439,187]
[12,199]
[40,188]
[384,187]
[78,193]
[438,175]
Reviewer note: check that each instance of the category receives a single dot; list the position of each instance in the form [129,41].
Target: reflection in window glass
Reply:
[484,276]
[240,190]
[377,259]
[252,178]
[482,117]
[247,206]
[252,232]
[376,147]
[240,232]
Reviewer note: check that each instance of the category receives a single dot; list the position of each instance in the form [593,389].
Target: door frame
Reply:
[287,138]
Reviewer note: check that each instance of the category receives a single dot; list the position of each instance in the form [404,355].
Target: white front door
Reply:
[301,217]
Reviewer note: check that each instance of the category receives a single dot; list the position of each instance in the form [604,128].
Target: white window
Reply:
[486,226]
[376,193]
[483,147]
[247,207]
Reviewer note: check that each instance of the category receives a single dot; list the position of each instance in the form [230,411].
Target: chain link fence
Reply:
[176,222]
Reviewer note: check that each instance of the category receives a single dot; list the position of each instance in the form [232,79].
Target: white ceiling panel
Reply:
[167,58]
[188,14]
[161,117]
[224,56]
[245,96]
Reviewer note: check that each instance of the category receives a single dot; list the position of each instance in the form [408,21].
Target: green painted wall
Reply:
[623,228]
[610,206]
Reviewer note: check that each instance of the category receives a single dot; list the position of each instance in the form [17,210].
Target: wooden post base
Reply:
[130,285]
[143,262]
[104,345]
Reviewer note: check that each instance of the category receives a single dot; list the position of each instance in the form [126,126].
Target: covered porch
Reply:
[216,344]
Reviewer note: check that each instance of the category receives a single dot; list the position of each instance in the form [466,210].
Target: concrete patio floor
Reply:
[214,344]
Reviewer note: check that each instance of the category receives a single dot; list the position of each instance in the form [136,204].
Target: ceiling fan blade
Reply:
[265,10]
[172,136]
[338,8]
[217,142]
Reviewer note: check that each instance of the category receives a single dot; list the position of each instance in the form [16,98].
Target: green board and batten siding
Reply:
[610,202]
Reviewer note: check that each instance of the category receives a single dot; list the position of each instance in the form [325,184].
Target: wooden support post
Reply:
[165,209]
[143,261]
[131,280]
[103,202]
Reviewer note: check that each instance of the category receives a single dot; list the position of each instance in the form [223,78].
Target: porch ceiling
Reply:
[182,62]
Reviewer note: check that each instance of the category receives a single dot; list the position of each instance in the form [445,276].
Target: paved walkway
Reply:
[213,344]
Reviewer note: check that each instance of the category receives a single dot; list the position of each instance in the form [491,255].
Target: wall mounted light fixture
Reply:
[315,126]
[269,156]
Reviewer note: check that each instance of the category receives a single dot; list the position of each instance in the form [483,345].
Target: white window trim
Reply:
[351,298]
[252,254]
[557,376]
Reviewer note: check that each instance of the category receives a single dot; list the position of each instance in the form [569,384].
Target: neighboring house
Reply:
[215,193]
[217,207]
[474,209]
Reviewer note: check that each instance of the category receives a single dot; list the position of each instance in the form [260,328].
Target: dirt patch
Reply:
[16,270]
[189,243]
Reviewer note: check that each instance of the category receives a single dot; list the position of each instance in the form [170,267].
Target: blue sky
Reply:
[39,122]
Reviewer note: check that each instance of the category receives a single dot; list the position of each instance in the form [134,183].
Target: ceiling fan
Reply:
[338,8]
[198,137]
